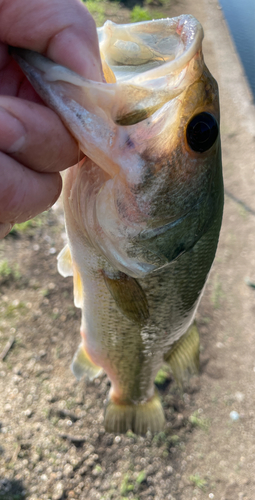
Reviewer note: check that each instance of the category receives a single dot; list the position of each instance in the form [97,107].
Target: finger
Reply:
[13,81]
[23,192]
[61,29]
[34,136]
[5,229]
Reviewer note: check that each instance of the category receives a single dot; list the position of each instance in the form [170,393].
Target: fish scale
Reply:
[143,210]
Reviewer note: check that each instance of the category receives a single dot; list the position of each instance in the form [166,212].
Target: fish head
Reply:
[152,131]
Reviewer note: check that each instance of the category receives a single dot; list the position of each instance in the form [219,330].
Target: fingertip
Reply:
[58,183]
[27,128]
[25,193]
[78,54]
[47,189]
[5,229]
[44,195]
[67,35]
[78,48]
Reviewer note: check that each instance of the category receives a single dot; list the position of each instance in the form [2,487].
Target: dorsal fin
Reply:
[183,356]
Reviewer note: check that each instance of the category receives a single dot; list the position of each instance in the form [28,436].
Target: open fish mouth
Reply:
[148,50]
[147,63]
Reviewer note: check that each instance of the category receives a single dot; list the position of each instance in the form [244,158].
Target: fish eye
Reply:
[202,132]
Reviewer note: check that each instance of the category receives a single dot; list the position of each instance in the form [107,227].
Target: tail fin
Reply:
[139,418]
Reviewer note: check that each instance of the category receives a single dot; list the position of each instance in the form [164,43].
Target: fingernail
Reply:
[12,132]
[5,229]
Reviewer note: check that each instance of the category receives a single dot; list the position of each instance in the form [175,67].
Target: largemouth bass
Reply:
[143,210]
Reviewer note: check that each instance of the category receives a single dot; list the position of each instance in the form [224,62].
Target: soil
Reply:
[52,441]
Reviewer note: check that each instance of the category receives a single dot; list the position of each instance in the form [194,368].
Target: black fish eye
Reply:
[202,132]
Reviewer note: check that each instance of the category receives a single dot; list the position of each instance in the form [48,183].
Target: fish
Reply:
[143,209]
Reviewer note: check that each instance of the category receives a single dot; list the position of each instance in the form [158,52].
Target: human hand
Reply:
[34,144]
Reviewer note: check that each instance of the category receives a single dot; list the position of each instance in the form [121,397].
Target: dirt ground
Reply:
[52,440]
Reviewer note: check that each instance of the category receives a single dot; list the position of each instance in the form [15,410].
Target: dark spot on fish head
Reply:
[130,143]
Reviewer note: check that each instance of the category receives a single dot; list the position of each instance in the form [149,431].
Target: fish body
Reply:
[143,210]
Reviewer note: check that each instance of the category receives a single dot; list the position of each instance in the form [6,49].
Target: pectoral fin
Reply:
[83,365]
[128,295]
[65,266]
[183,356]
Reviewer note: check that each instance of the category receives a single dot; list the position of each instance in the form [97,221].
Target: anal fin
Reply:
[183,356]
[138,418]
[83,365]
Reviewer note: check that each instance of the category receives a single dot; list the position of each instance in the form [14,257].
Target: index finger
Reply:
[63,30]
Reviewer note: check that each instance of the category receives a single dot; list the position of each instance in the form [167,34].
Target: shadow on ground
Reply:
[11,490]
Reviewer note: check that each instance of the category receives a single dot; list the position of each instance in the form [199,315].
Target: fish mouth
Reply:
[152,62]
[150,50]
[141,52]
